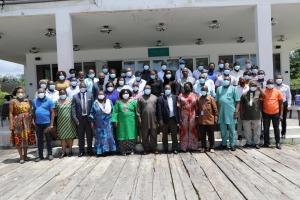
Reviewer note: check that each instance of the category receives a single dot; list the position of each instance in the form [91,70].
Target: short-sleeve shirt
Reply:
[42,108]
[271,101]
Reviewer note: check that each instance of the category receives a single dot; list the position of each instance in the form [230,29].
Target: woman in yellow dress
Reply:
[62,81]
[21,125]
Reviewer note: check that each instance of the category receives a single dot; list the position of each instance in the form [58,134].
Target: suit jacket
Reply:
[163,110]
[76,106]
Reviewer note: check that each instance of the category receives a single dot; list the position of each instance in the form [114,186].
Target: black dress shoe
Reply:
[175,152]
[90,153]
[278,146]
[233,148]
[81,154]
[70,154]
[257,146]
[224,147]
[266,145]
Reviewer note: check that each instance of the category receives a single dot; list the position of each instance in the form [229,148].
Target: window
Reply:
[54,71]
[77,67]
[43,72]
[276,64]
[173,64]
[189,63]
[253,59]
[202,61]
[241,59]
[226,58]
[130,64]
[156,64]
[140,64]
[89,65]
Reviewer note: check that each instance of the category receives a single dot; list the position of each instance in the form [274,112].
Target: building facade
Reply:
[47,36]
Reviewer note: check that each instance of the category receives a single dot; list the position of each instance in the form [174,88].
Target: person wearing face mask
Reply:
[185,78]
[121,84]
[287,101]
[212,73]
[141,82]
[113,76]
[224,74]
[228,101]
[105,71]
[20,123]
[247,76]
[242,88]
[197,72]
[111,93]
[81,107]
[123,73]
[43,112]
[236,73]
[135,91]
[207,118]
[43,84]
[272,111]
[72,73]
[62,82]
[248,65]
[66,127]
[81,77]
[147,120]
[90,80]
[182,65]
[261,79]
[99,85]
[155,83]
[254,72]
[250,114]
[168,117]
[51,92]
[73,89]
[162,72]
[100,117]
[146,72]
[130,78]
[124,120]
[187,104]
[204,81]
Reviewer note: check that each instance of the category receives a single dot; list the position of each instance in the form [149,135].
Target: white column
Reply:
[285,66]
[263,31]
[64,41]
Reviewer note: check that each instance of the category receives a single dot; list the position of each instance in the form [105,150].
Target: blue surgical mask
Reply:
[202,81]
[138,79]
[135,89]
[226,71]
[200,68]
[146,67]
[91,75]
[203,93]
[129,74]
[61,77]
[51,87]
[248,65]
[254,71]
[221,65]
[226,82]
[104,70]
[163,67]
[237,67]
[41,95]
[43,85]
[112,76]
[147,91]
[167,92]
[182,66]
[63,96]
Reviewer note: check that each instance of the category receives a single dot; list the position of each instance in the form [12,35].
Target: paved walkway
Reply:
[243,174]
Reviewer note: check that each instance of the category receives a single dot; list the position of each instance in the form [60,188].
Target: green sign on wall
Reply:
[158,52]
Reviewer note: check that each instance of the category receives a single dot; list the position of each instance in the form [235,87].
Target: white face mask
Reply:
[72,75]
[41,95]
[168,76]
[138,79]
[135,89]
[163,67]
[74,83]
[253,89]
[125,96]
[101,96]
[20,95]
[270,86]
[248,65]
[43,85]
[147,91]
[260,76]
[129,74]
[278,81]
[146,67]
[112,76]
[51,87]
[121,83]
[63,96]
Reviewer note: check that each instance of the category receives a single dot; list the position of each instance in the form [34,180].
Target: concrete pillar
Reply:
[285,66]
[263,33]
[64,41]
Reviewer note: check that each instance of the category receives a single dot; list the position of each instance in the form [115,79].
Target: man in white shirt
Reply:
[141,82]
[130,78]
[185,78]
[51,92]
[161,73]
[198,71]
[236,73]
[178,74]
[287,101]
[73,89]
[203,80]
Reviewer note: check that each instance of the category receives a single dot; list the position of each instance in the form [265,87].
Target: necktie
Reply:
[84,104]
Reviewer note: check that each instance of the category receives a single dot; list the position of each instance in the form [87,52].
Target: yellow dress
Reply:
[64,85]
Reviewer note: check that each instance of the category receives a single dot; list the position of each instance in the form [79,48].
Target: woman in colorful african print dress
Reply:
[66,127]
[100,116]
[21,125]
[124,119]
[188,129]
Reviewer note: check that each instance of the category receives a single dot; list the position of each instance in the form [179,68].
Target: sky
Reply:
[10,68]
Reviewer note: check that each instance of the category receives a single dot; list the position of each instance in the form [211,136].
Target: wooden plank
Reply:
[233,173]
[143,187]
[217,178]
[105,184]
[125,183]
[27,190]
[162,180]
[200,182]
[61,183]
[269,191]
[282,157]
[267,173]
[277,167]
[182,184]
[84,188]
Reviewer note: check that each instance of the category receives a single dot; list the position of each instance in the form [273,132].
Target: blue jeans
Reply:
[40,128]
[223,128]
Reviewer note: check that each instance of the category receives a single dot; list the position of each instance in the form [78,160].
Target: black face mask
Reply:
[101,81]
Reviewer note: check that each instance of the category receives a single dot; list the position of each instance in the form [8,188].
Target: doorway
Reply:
[117,65]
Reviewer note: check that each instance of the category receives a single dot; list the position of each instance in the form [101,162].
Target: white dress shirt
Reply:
[179,75]
[130,80]
[142,85]
[72,91]
[170,104]
[161,75]
[285,90]
[53,95]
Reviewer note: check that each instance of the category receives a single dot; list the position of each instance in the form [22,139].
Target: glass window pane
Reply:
[54,71]
[42,72]
[241,59]
[253,59]
[227,58]
[202,61]
[189,63]
[77,67]
[130,64]
[173,64]
[89,65]
[140,65]
[156,65]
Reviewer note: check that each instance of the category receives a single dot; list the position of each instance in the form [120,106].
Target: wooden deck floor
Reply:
[243,174]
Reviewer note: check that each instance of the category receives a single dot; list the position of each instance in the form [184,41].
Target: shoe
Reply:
[90,153]
[266,145]
[232,148]
[202,150]
[70,154]
[247,146]
[256,146]
[156,152]
[22,161]
[38,159]
[175,152]
[278,146]
[283,136]
[240,137]
[81,154]
[63,155]
[212,151]
[224,147]
[50,157]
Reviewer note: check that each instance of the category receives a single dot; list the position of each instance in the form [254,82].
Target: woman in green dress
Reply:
[66,127]
[124,119]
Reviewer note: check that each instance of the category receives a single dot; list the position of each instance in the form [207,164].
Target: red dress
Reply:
[188,128]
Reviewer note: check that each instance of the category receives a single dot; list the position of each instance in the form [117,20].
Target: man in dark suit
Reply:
[81,106]
[168,117]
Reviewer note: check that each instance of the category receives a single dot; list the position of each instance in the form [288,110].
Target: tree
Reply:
[295,69]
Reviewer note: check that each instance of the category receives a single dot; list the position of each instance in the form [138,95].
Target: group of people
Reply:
[119,111]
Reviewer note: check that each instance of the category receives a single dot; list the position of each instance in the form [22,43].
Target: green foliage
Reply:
[2,95]
[295,69]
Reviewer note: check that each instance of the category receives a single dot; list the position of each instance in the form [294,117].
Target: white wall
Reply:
[211,50]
